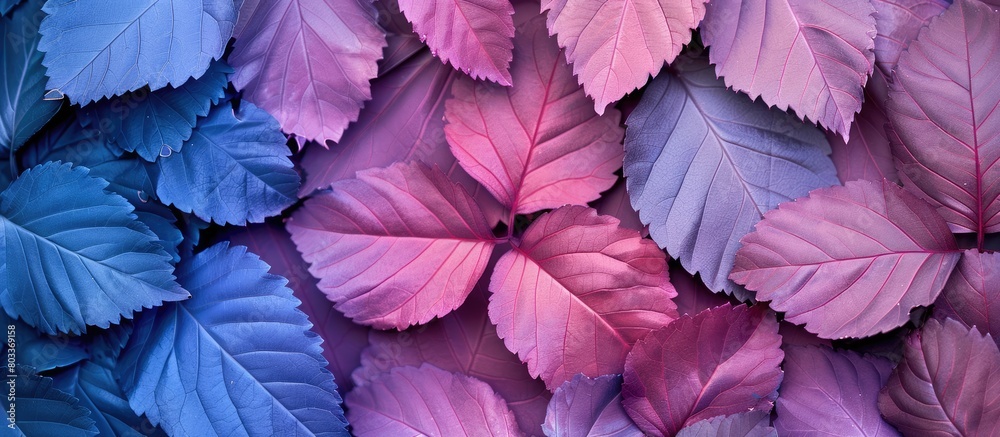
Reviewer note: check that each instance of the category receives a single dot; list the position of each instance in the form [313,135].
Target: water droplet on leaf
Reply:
[143,197]
[165,151]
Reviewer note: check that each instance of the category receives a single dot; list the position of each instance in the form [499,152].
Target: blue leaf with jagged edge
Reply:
[74,255]
[156,123]
[40,351]
[42,410]
[236,359]
[126,175]
[23,111]
[703,164]
[234,169]
[99,48]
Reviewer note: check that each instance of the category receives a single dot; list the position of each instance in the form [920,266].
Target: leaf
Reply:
[831,392]
[813,57]
[703,165]
[897,23]
[473,35]
[24,111]
[615,45]
[428,401]
[972,295]
[583,407]
[463,342]
[946,384]
[402,42]
[7,5]
[39,351]
[157,123]
[867,155]
[693,296]
[534,146]
[43,410]
[234,169]
[343,341]
[746,424]
[307,63]
[238,347]
[941,108]
[577,292]
[722,361]
[848,261]
[96,49]
[95,386]
[427,237]
[617,203]
[74,255]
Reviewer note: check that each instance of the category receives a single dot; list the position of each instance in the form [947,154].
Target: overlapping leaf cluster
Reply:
[495,217]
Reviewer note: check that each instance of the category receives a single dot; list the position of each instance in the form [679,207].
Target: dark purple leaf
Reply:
[867,155]
[972,294]
[747,424]
[693,296]
[617,203]
[585,407]
[848,261]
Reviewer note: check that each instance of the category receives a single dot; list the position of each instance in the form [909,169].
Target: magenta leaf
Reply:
[747,424]
[307,63]
[943,107]
[848,261]
[615,45]
[577,292]
[828,392]
[811,56]
[584,407]
[946,384]
[535,145]
[867,154]
[703,165]
[720,362]
[897,23]
[428,401]
[396,246]
[343,340]
[463,342]
[972,293]
[474,35]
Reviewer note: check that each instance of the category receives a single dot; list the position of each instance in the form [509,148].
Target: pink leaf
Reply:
[394,247]
[615,45]
[577,292]
[343,340]
[474,35]
[463,342]
[720,362]
[813,56]
[307,63]
[972,294]
[943,107]
[428,401]
[867,155]
[848,261]
[536,145]
[948,383]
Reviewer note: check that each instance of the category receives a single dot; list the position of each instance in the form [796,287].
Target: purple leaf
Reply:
[948,383]
[972,293]
[693,296]
[827,392]
[402,43]
[473,35]
[463,342]
[898,22]
[428,401]
[535,145]
[584,407]
[307,63]
[792,334]
[848,261]
[394,247]
[746,424]
[867,154]
[703,165]
[343,340]
[617,203]
[943,108]
[577,292]
[722,361]
[615,45]
[813,57]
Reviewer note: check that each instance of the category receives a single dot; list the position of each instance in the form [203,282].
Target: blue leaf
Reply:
[22,109]
[236,359]
[126,176]
[97,48]
[6,173]
[234,169]
[157,123]
[703,164]
[40,351]
[42,410]
[7,5]
[74,255]
[98,391]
